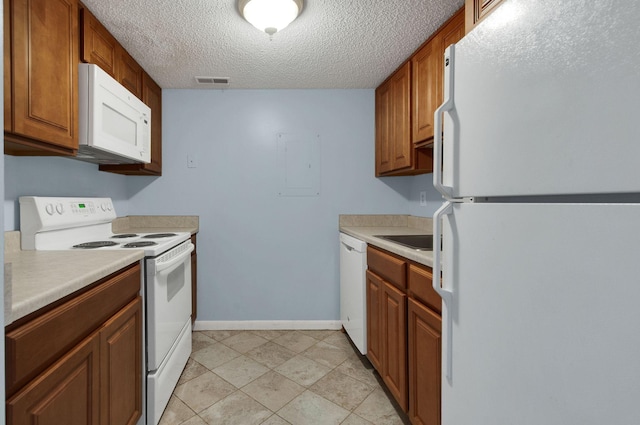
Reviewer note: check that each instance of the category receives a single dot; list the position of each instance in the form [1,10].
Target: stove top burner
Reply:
[124,236]
[139,244]
[96,244]
[159,235]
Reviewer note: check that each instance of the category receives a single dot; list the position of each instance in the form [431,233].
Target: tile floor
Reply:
[277,378]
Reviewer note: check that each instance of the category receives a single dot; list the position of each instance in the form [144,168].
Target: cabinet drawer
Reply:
[34,346]
[421,287]
[390,268]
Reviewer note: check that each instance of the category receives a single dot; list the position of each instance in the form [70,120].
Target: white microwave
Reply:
[114,125]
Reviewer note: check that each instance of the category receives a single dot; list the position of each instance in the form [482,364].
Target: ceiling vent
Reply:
[213,82]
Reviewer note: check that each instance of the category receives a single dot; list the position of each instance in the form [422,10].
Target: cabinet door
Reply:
[121,366]
[66,393]
[477,10]
[401,118]
[425,91]
[425,327]
[375,288]
[98,46]
[394,343]
[129,72]
[384,127]
[44,72]
[451,33]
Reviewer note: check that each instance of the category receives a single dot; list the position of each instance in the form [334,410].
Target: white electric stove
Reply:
[48,223]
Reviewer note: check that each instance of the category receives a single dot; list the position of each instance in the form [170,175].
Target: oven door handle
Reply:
[160,268]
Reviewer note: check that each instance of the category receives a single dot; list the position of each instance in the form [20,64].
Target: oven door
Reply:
[168,297]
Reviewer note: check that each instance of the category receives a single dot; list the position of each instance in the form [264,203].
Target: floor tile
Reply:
[275,420]
[273,390]
[193,369]
[271,354]
[201,392]
[220,335]
[199,340]
[196,420]
[339,339]
[176,412]
[354,419]
[318,334]
[244,342]
[214,355]
[302,370]
[236,409]
[326,354]
[341,389]
[354,368]
[295,341]
[269,334]
[240,371]
[311,409]
[377,408]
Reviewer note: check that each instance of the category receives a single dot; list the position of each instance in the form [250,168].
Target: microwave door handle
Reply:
[164,267]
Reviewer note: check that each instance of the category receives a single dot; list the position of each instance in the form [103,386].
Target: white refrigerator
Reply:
[539,168]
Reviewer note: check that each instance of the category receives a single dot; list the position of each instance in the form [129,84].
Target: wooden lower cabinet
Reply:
[404,334]
[394,341]
[121,366]
[425,347]
[67,393]
[375,287]
[98,378]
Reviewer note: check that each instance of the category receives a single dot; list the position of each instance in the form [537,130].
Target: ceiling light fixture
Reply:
[270,16]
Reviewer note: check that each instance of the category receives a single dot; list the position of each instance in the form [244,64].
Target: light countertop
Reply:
[366,227]
[34,279]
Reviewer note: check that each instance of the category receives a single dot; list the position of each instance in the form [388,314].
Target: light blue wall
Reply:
[260,256]
[51,176]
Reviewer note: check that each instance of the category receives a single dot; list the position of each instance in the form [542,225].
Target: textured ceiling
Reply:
[332,44]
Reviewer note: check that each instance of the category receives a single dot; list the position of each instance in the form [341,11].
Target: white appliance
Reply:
[114,125]
[353,290]
[48,223]
[541,220]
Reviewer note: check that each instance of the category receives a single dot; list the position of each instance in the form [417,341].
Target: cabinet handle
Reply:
[446,106]
[444,291]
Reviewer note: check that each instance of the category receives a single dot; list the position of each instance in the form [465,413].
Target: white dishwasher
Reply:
[353,289]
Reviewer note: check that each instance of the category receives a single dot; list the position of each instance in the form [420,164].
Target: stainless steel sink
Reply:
[418,242]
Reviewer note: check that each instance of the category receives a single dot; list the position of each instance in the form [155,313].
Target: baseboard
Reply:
[253,325]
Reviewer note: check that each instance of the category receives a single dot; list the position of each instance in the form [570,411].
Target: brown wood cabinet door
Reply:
[6,22]
[121,366]
[451,33]
[401,118]
[66,393]
[375,289]
[384,127]
[425,91]
[44,72]
[129,72]
[97,45]
[477,10]
[425,347]
[394,343]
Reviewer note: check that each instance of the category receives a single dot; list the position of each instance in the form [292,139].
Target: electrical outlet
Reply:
[191,161]
[423,199]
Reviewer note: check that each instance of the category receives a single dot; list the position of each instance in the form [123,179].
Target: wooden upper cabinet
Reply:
[42,77]
[129,73]
[384,125]
[98,46]
[477,10]
[401,114]
[428,77]
[425,91]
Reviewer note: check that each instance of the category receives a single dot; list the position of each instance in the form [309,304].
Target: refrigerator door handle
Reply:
[445,294]
[447,105]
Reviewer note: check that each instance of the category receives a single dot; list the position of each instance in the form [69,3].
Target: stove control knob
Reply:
[60,208]
[103,206]
[49,209]
[109,207]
